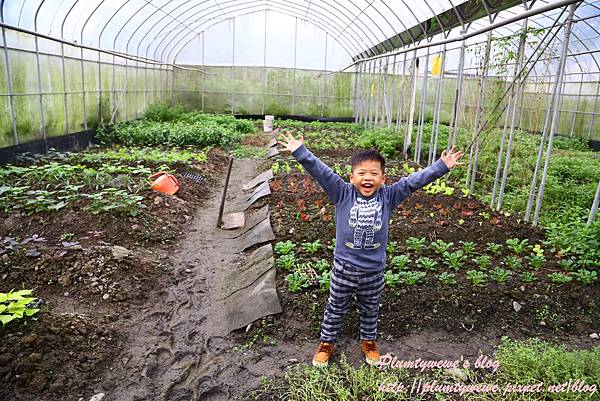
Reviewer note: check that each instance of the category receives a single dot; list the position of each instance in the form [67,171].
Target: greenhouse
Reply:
[300,200]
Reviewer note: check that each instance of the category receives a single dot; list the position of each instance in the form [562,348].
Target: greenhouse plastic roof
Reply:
[161,29]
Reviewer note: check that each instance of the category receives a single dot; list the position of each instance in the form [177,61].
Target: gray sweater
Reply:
[362,222]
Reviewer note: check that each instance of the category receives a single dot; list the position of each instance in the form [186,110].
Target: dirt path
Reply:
[176,345]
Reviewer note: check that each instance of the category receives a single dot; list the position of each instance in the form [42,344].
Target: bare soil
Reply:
[145,325]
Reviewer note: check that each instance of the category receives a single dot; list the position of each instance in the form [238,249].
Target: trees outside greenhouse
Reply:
[159,241]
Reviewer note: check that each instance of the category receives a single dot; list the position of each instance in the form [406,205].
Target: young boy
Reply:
[362,213]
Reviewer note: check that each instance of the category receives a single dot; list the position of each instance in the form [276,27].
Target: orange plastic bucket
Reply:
[164,182]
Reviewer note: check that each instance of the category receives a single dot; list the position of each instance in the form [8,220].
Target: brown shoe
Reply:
[369,348]
[323,353]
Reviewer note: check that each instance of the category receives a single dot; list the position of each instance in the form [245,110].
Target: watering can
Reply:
[164,182]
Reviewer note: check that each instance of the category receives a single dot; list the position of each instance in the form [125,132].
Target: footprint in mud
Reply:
[162,355]
[156,369]
[191,337]
[153,372]
[208,391]
[216,393]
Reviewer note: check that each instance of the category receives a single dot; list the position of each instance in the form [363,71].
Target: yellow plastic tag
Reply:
[436,68]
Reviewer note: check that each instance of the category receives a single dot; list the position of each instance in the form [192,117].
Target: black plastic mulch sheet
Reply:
[252,293]
[260,233]
[261,191]
[259,179]
[257,264]
[252,303]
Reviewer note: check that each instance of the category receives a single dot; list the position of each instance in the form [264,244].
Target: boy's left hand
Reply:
[292,143]
[451,158]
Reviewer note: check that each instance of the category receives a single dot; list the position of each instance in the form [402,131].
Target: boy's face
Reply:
[367,177]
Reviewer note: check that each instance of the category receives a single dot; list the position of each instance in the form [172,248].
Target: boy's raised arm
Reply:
[332,183]
[417,180]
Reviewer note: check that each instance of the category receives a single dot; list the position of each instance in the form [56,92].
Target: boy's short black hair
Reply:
[364,155]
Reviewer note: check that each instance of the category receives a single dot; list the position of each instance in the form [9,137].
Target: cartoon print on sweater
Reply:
[365,218]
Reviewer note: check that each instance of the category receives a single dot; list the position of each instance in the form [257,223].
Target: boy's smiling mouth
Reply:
[367,188]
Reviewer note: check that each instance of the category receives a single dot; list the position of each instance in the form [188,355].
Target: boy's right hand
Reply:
[292,143]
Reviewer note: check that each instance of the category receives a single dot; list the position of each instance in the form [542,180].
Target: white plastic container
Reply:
[268,123]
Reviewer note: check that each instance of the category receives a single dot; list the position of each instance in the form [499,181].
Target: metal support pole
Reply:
[433,120]
[364,98]
[562,102]
[379,70]
[458,95]
[160,82]
[419,141]
[125,89]
[596,100]
[474,153]
[11,103]
[323,78]
[501,150]
[359,91]
[516,91]
[137,89]
[386,94]
[389,92]
[380,93]
[411,110]
[100,116]
[439,105]
[594,208]
[294,72]
[172,83]
[577,107]
[371,90]
[366,92]
[153,91]
[83,91]
[233,86]
[356,91]
[534,179]
[383,94]
[554,126]
[204,75]
[146,83]
[114,93]
[264,94]
[165,95]
[400,113]
[363,90]
[392,91]
[222,206]
[39,82]
[521,117]
[64,82]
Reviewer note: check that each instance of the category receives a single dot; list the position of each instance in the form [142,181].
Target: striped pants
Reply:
[346,281]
